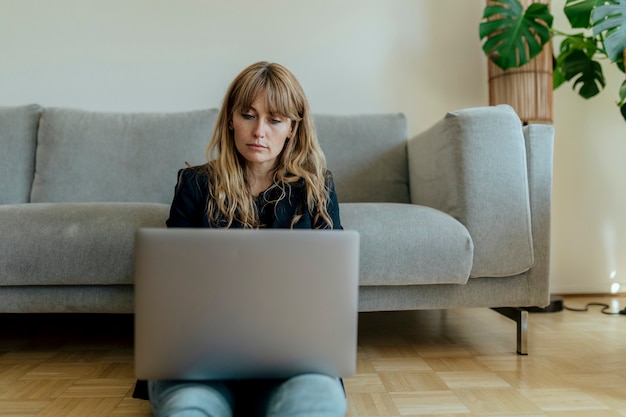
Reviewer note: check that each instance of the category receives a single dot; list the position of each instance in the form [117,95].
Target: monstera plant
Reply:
[513,36]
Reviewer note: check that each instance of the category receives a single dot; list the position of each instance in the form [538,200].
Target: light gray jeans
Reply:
[310,395]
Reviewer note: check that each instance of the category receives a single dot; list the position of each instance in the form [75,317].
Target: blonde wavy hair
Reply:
[301,157]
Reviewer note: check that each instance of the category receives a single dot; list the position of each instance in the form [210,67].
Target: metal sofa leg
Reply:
[520,317]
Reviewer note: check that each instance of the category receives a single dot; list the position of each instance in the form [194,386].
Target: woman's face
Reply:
[260,135]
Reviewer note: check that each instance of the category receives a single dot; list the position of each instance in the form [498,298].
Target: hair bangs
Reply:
[279,99]
[244,96]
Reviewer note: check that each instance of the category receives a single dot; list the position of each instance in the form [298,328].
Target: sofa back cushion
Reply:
[93,156]
[18,138]
[116,157]
[367,155]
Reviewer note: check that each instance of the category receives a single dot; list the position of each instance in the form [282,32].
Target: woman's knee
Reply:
[311,395]
[171,399]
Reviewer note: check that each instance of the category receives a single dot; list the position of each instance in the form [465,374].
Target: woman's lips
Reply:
[256,146]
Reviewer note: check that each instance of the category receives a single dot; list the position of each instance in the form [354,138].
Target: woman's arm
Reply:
[333,202]
[188,207]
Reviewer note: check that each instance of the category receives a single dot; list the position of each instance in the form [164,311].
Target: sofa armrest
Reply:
[539,152]
[473,165]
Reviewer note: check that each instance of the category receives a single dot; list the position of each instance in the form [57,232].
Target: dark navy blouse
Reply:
[189,207]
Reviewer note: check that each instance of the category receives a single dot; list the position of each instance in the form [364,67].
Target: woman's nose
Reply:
[259,128]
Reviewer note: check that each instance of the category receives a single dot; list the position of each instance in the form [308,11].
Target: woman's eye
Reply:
[275,121]
[247,116]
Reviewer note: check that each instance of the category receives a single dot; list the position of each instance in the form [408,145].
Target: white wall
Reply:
[589,213]
[420,57]
[166,55]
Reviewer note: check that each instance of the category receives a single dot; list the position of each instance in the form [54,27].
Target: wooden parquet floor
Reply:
[457,363]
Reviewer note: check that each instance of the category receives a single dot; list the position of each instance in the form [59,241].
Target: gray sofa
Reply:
[458,216]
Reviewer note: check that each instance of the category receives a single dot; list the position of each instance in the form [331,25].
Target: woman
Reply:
[265,170]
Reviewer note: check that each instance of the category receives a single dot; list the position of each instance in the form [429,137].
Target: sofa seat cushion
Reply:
[72,243]
[407,244]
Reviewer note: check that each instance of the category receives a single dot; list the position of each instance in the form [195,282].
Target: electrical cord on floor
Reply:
[604,310]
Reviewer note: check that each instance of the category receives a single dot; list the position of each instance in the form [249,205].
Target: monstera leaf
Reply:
[578,12]
[611,18]
[513,37]
[586,73]
[576,63]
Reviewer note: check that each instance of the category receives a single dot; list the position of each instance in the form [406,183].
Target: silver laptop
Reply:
[226,304]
